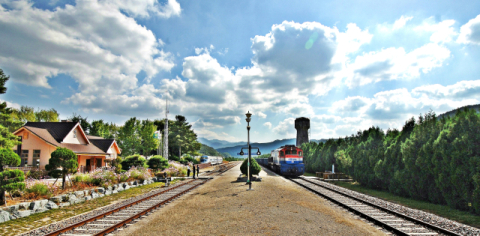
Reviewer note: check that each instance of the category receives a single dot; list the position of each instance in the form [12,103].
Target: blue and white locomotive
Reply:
[286,160]
[211,159]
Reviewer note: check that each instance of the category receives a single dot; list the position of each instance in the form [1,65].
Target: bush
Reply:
[133,160]
[254,167]
[36,174]
[39,190]
[157,163]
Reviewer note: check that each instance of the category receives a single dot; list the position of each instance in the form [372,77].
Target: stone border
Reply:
[25,209]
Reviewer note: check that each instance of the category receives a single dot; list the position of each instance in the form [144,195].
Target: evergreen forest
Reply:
[431,159]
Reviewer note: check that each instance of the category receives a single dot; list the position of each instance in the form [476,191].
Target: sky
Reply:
[346,65]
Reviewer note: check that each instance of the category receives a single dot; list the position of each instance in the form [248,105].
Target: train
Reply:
[211,159]
[286,160]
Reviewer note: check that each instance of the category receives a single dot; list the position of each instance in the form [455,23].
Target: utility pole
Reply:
[165,139]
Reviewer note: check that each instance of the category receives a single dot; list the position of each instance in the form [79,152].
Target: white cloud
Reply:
[470,32]
[401,22]
[286,128]
[458,91]
[268,124]
[143,8]
[86,41]
[441,32]
[395,63]
[350,105]
[11,104]
[261,115]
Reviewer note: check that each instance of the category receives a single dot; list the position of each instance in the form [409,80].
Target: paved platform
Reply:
[276,206]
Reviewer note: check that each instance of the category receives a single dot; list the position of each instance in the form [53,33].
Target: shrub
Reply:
[133,160]
[39,190]
[254,167]
[81,178]
[157,163]
[36,174]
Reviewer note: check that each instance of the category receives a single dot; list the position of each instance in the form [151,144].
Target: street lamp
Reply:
[249,181]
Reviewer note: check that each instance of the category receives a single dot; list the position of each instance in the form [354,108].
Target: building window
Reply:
[25,135]
[36,158]
[75,133]
[24,156]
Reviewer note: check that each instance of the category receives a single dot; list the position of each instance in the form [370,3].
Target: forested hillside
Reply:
[436,160]
[209,151]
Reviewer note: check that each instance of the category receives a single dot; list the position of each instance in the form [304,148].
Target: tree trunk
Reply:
[179,152]
[2,197]
[63,181]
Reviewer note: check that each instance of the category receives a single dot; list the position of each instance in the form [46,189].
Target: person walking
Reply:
[194,171]
[198,170]
[188,171]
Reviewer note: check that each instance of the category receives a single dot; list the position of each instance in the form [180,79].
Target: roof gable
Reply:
[58,130]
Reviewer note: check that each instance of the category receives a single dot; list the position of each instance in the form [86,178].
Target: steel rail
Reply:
[70,227]
[442,230]
[130,219]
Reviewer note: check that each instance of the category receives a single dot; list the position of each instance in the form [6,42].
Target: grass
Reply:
[440,210]
[17,226]
[309,174]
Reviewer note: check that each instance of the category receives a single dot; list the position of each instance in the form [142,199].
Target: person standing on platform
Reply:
[188,171]
[198,170]
[194,171]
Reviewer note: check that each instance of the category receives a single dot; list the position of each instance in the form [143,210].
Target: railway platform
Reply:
[222,206]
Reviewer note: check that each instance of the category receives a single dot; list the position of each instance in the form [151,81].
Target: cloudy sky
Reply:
[347,65]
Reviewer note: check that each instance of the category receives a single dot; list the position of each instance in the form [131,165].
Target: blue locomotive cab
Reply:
[203,159]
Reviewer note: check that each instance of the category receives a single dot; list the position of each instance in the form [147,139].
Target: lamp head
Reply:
[242,153]
[248,116]
[259,153]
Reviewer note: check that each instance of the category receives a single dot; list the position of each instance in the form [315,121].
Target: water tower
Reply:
[302,124]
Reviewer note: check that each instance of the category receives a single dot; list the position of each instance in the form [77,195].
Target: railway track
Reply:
[220,169]
[394,222]
[106,220]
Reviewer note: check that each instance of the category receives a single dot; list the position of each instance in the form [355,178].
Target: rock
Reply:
[95,195]
[114,191]
[40,210]
[110,188]
[145,182]
[21,214]
[24,206]
[86,192]
[127,187]
[12,209]
[35,205]
[64,204]
[101,190]
[72,199]
[79,194]
[88,198]
[4,216]
[56,199]
[154,179]
[51,205]
[65,197]
[101,195]
[119,189]
[133,183]
[108,192]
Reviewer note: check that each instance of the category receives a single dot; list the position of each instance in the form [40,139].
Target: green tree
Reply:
[62,162]
[157,162]
[133,160]
[10,181]
[254,167]
[128,137]
[47,115]
[83,122]
[148,142]
[9,158]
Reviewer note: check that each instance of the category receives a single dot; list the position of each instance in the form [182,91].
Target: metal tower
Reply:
[165,139]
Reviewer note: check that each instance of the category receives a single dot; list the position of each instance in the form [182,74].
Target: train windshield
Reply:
[291,152]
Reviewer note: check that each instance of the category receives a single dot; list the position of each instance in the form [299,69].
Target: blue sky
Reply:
[347,65]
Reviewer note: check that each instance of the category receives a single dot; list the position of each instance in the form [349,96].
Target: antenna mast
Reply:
[165,140]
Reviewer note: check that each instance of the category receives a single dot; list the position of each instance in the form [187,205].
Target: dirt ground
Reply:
[276,206]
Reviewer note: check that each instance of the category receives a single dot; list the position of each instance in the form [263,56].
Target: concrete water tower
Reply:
[302,124]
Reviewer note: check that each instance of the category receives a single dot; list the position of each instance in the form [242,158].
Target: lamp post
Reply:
[249,150]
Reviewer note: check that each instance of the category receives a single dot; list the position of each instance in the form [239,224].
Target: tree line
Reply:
[430,159]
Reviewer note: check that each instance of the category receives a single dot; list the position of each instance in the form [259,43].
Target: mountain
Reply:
[265,148]
[453,112]
[215,143]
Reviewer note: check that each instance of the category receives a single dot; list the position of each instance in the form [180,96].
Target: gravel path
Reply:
[276,206]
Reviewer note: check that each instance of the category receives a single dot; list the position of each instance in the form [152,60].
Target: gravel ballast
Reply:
[276,206]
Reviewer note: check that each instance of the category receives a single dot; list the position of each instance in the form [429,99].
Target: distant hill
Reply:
[264,147]
[215,143]
[453,112]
